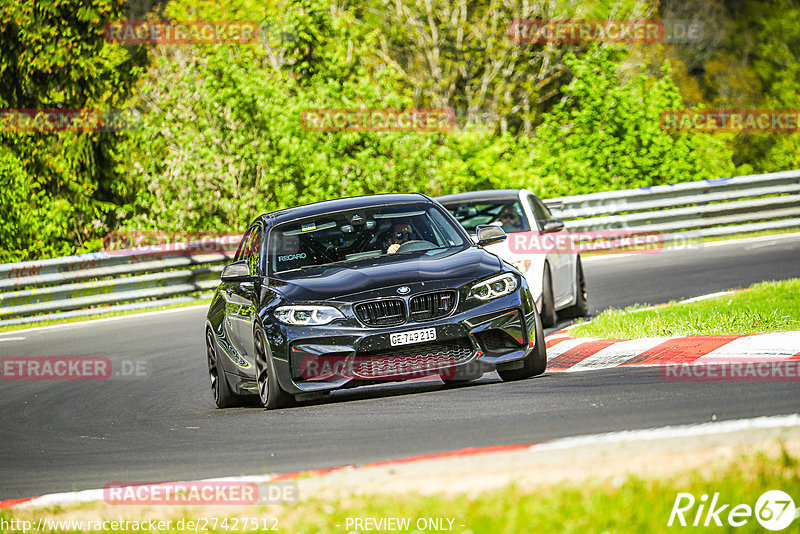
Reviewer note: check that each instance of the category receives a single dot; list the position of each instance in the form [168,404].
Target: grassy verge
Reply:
[632,504]
[12,328]
[765,307]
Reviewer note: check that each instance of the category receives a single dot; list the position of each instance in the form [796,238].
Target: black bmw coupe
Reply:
[355,291]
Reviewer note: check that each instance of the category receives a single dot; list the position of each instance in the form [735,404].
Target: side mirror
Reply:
[489,233]
[237,271]
[552,225]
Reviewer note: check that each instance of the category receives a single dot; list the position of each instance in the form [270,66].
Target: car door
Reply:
[562,265]
[241,298]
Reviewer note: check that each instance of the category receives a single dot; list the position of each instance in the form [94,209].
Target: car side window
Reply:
[252,250]
[540,211]
[243,245]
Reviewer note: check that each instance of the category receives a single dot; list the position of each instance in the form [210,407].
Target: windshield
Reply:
[352,235]
[508,214]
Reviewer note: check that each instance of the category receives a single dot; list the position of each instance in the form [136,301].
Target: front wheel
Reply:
[534,363]
[269,391]
[581,306]
[548,302]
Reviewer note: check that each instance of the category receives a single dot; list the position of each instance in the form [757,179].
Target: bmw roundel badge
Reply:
[403,290]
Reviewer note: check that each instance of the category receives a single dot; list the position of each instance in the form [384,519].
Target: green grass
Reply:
[630,504]
[764,307]
[12,328]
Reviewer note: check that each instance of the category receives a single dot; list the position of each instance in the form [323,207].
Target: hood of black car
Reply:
[346,282]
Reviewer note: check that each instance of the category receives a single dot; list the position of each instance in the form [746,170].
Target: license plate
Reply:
[413,336]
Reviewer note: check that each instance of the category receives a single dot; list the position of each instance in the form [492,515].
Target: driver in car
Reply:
[401,233]
[510,219]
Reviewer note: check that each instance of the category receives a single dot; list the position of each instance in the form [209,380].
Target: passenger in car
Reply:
[510,219]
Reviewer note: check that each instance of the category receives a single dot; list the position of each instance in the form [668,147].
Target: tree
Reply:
[53,55]
[223,140]
[461,55]
[606,134]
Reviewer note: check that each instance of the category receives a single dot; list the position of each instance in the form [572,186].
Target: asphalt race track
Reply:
[70,435]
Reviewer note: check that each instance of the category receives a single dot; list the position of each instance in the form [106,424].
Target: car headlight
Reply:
[307,315]
[497,286]
[522,265]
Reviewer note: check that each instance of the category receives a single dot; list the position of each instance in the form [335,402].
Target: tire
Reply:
[534,364]
[548,315]
[269,391]
[223,396]
[581,306]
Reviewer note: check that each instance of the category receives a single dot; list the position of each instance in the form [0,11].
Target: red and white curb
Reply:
[96,495]
[625,436]
[567,353]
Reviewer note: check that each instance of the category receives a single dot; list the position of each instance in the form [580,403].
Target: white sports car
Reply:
[555,279]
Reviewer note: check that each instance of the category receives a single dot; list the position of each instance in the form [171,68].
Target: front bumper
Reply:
[323,358]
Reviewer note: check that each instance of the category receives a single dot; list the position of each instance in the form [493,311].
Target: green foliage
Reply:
[479,160]
[463,55]
[777,64]
[222,140]
[33,223]
[749,58]
[606,135]
[53,55]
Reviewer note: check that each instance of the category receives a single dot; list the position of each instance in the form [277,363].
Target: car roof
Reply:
[495,194]
[328,206]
